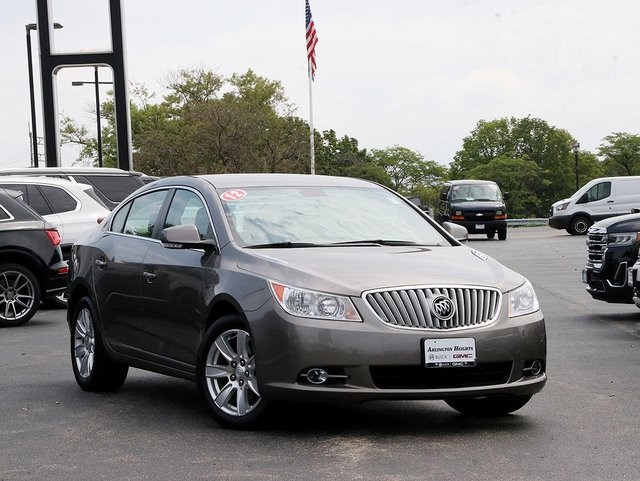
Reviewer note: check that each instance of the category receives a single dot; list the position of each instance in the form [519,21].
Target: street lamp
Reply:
[96,82]
[29,27]
[576,149]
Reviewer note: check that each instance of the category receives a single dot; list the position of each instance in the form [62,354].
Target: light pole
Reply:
[32,96]
[576,149]
[96,82]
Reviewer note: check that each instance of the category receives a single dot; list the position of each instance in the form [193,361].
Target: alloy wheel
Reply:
[17,295]
[84,342]
[230,373]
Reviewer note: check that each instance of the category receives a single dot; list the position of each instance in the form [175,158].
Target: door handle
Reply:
[149,276]
[101,264]
[610,202]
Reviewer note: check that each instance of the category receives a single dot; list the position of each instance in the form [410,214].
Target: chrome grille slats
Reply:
[410,307]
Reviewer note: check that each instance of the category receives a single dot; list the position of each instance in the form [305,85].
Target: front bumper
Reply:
[609,288]
[370,360]
[481,226]
[559,221]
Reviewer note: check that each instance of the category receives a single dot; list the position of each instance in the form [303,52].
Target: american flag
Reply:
[312,40]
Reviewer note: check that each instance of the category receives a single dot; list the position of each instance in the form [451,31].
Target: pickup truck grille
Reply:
[414,307]
[597,240]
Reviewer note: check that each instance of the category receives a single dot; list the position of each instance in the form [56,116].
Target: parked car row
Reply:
[43,211]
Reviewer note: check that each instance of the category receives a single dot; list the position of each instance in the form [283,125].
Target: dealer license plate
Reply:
[457,352]
[480,226]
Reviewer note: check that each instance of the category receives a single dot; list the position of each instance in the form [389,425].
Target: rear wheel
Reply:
[19,294]
[489,406]
[579,225]
[491,234]
[92,367]
[227,376]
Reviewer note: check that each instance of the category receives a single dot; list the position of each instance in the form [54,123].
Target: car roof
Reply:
[68,170]
[470,181]
[42,180]
[266,180]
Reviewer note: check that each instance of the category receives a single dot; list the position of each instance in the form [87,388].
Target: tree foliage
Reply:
[511,144]
[621,154]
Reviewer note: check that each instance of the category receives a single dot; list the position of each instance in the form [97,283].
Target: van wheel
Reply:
[491,235]
[579,225]
[502,234]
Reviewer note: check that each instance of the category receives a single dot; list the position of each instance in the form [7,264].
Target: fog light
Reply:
[533,368]
[317,376]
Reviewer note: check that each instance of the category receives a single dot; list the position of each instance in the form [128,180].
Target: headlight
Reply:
[622,239]
[562,206]
[523,300]
[317,305]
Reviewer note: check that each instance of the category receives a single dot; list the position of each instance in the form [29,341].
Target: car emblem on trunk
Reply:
[443,308]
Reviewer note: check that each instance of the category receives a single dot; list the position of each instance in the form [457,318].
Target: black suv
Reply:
[477,205]
[31,265]
[612,246]
[111,185]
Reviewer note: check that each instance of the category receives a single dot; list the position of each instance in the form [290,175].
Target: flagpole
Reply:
[312,154]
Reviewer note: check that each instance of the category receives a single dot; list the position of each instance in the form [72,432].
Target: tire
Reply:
[19,295]
[491,235]
[502,234]
[226,374]
[579,225]
[488,406]
[92,367]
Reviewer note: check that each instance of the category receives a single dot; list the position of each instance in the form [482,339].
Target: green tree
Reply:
[620,153]
[526,139]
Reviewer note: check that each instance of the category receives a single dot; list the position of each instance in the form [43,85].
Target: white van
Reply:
[594,201]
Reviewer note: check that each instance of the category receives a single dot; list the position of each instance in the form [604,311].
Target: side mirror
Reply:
[443,196]
[506,195]
[185,236]
[456,231]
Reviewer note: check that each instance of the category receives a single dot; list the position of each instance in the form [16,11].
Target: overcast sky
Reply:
[417,73]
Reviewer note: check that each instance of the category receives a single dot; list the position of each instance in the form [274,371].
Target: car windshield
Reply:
[475,192]
[286,216]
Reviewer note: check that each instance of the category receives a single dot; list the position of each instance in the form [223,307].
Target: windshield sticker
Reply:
[231,195]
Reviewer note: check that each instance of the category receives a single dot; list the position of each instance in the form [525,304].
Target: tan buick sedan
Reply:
[266,287]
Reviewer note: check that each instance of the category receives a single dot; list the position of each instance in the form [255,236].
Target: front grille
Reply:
[479,215]
[597,240]
[413,307]
[418,377]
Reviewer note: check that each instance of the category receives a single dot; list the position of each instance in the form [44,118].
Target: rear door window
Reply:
[115,188]
[59,199]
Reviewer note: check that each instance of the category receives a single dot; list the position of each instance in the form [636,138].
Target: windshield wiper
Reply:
[284,245]
[378,242]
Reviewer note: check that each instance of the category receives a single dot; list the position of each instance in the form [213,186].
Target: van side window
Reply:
[599,191]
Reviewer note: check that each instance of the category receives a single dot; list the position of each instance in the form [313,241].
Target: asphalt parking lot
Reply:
[582,426]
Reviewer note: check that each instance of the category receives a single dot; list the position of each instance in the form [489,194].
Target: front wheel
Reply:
[488,406]
[19,295]
[502,234]
[579,225]
[226,374]
[92,367]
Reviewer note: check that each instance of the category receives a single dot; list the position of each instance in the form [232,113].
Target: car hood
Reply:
[477,205]
[352,270]
[620,223]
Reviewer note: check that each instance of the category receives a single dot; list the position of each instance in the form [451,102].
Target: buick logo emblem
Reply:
[443,308]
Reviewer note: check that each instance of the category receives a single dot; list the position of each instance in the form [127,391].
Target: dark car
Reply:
[612,247]
[477,205]
[31,265]
[265,288]
[110,185]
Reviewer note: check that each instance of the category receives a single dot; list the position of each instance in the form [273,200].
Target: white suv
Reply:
[73,208]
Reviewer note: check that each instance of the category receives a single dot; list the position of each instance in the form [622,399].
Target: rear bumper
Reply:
[56,282]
